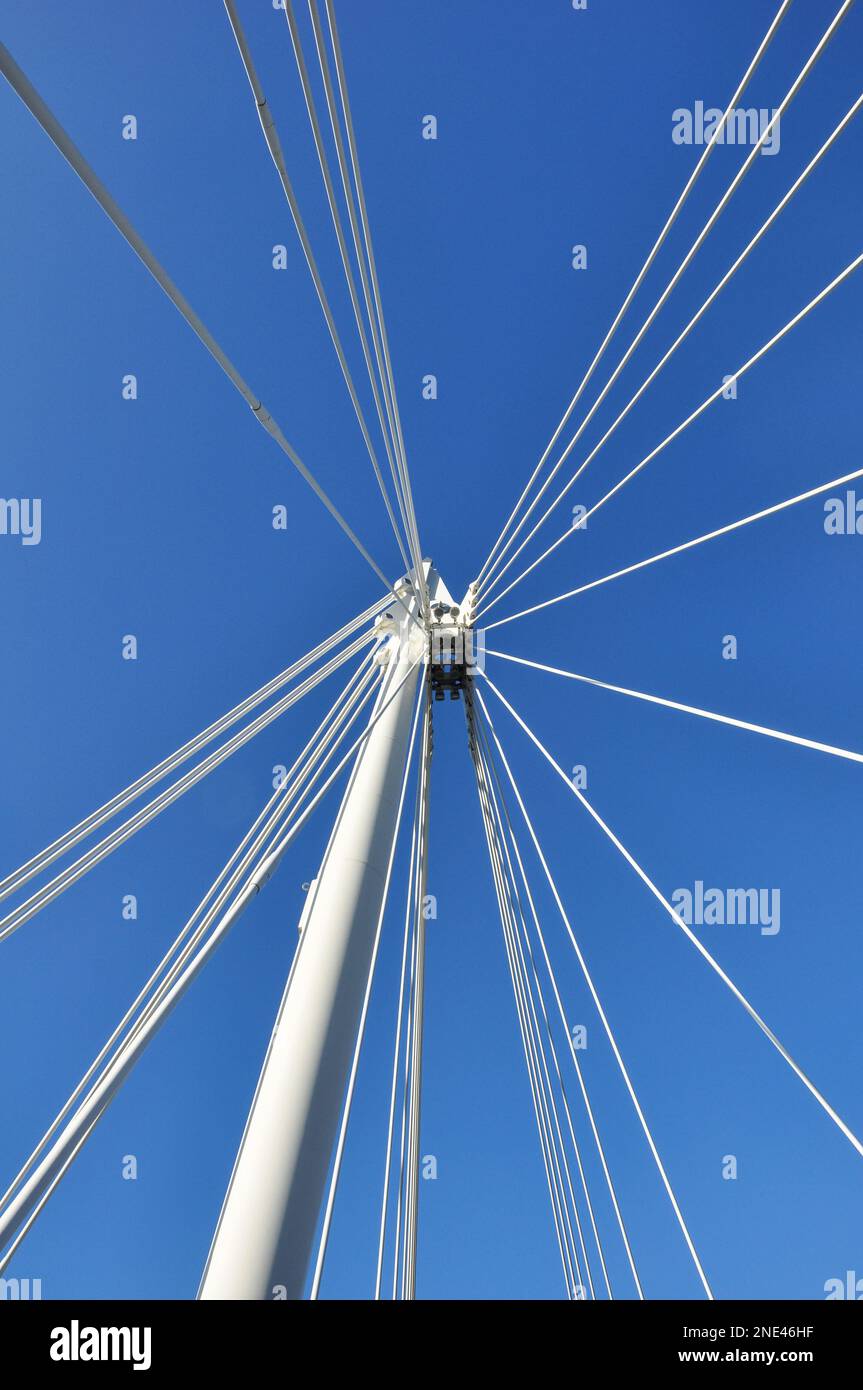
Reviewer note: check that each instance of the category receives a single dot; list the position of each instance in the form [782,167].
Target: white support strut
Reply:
[263,1241]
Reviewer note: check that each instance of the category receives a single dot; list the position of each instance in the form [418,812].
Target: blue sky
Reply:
[554,129]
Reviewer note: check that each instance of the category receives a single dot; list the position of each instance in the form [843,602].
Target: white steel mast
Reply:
[263,1240]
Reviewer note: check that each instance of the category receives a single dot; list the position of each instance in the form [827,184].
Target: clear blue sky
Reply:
[554,129]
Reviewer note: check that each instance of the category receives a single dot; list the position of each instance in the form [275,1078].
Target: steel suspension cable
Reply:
[158,995]
[598,1003]
[370,255]
[636,285]
[679,549]
[383,409]
[274,145]
[411,1223]
[37,107]
[372,305]
[681,337]
[699,410]
[686,709]
[679,922]
[714,216]
[23,1231]
[519,934]
[535,1081]
[97,818]
[582,1085]
[169,968]
[513,839]
[279,804]
[283,845]
[520,940]
[404,1108]
[403,1002]
[361,1029]
[413,915]
[20,1208]
[269,865]
[74,871]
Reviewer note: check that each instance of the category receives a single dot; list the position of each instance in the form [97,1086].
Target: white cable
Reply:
[681,337]
[311,109]
[409,921]
[739,176]
[291,973]
[687,709]
[552,1177]
[678,921]
[70,875]
[679,549]
[705,155]
[404,1115]
[10,1252]
[278,805]
[714,396]
[519,933]
[417,1032]
[598,1004]
[273,860]
[19,1209]
[568,1033]
[274,146]
[34,103]
[283,796]
[346,1110]
[97,818]
[367,241]
[549,1127]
